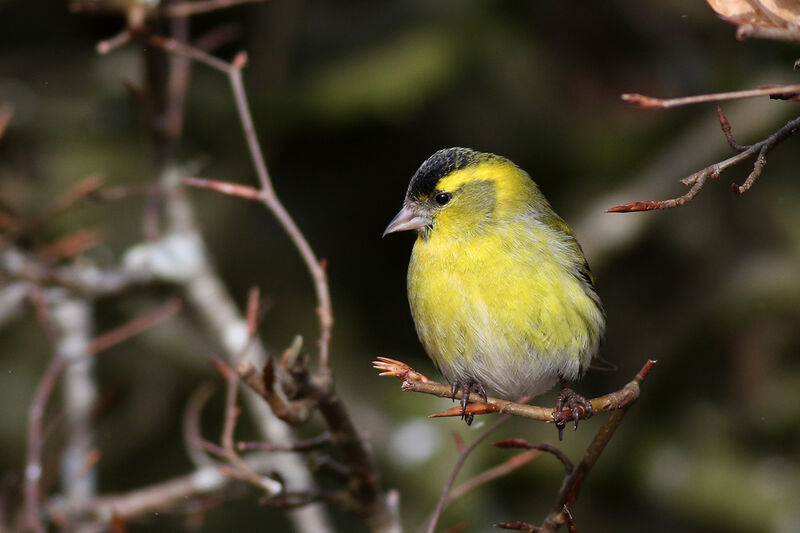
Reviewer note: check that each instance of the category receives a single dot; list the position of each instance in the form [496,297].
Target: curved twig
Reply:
[266,195]
[697,180]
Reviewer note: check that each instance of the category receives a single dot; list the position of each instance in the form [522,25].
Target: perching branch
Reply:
[698,180]
[415,382]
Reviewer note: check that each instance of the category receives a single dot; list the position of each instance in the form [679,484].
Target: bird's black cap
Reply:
[440,165]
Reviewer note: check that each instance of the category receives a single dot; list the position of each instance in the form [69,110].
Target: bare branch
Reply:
[112,43]
[726,130]
[697,180]
[650,102]
[609,402]
[514,463]
[544,448]
[462,457]
[267,194]
[571,486]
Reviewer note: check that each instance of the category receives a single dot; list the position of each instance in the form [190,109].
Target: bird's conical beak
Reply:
[410,217]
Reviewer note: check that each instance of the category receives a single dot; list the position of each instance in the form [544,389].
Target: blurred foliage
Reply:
[349,98]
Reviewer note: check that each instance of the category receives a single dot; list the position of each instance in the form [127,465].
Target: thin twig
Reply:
[726,130]
[514,463]
[267,194]
[542,447]
[650,102]
[112,43]
[697,180]
[239,468]
[192,438]
[462,457]
[85,188]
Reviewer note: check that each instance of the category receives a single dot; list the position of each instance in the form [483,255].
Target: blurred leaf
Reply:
[389,80]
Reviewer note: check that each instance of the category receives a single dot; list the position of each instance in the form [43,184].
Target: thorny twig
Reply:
[266,194]
[698,180]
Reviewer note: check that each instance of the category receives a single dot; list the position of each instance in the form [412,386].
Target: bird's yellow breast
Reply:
[503,306]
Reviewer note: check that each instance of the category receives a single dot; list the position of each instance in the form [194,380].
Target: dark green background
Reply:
[349,98]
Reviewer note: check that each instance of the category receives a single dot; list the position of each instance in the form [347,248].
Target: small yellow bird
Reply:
[501,294]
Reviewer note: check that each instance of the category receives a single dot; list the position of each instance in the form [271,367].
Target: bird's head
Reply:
[458,192]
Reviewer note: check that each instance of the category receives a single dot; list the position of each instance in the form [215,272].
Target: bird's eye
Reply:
[442,198]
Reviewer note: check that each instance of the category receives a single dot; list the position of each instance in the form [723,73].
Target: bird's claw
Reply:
[570,406]
[466,388]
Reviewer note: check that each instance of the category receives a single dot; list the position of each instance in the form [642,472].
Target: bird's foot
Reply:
[466,387]
[570,406]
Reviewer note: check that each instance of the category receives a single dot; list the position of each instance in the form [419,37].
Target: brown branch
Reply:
[462,457]
[70,246]
[364,482]
[6,112]
[294,413]
[571,486]
[33,467]
[194,442]
[726,130]
[85,188]
[238,468]
[697,180]
[112,43]
[267,195]
[544,448]
[411,382]
[514,463]
[650,102]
